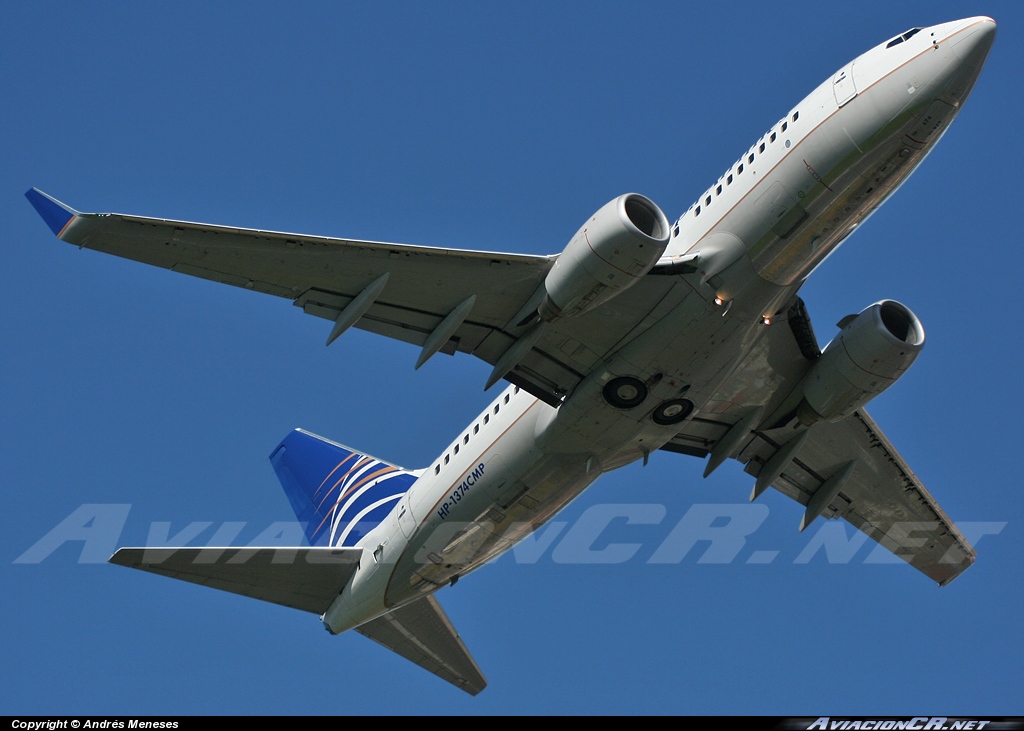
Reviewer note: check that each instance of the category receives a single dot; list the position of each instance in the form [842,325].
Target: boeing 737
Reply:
[641,335]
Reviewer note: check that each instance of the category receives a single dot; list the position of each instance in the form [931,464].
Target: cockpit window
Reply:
[903,37]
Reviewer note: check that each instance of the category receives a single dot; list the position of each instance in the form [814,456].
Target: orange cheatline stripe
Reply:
[372,475]
[351,469]
[341,479]
[65,227]
[350,456]
[366,478]
[363,481]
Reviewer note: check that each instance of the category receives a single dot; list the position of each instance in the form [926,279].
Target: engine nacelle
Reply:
[610,253]
[870,354]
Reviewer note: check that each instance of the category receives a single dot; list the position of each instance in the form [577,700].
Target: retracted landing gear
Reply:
[625,392]
[672,411]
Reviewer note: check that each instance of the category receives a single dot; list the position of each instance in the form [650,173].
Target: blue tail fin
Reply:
[339,494]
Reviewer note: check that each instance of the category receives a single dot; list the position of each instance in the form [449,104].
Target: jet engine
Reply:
[610,253]
[869,354]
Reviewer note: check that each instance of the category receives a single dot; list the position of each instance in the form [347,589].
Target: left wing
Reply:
[847,469]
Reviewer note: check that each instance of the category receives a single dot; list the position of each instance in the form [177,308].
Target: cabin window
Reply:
[796,116]
[456,450]
[487,418]
[696,211]
[750,159]
[496,407]
[506,398]
[718,190]
[762,147]
[465,439]
[784,126]
[516,390]
[437,470]
[728,181]
[739,169]
[707,201]
[446,459]
[773,137]
[476,428]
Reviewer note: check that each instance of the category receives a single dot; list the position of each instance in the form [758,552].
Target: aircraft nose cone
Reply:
[972,42]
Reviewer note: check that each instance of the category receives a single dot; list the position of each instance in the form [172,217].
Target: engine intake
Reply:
[870,354]
[610,253]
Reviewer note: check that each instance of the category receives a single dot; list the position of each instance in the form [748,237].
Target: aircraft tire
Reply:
[625,392]
[672,411]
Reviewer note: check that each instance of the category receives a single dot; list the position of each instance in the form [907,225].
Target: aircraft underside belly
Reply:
[563,451]
[452,545]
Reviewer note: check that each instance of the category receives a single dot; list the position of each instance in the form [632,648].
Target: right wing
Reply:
[320,274]
[421,632]
[424,288]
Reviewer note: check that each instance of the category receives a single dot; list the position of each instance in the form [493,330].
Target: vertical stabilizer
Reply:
[339,494]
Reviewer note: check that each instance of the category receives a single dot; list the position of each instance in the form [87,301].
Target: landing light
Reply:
[766,320]
[719,301]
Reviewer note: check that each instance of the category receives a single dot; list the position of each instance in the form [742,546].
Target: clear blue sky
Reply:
[470,125]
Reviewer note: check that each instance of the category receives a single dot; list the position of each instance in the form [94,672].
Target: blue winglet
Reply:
[56,214]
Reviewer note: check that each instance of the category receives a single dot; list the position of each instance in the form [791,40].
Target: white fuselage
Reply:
[761,229]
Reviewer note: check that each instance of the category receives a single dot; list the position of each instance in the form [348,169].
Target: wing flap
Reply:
[422,633]
[301,578]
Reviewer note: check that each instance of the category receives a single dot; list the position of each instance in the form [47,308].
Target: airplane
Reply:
[641,335]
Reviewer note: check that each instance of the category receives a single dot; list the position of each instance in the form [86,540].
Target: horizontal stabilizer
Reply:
[56,215]
[421,632]
[309,579]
